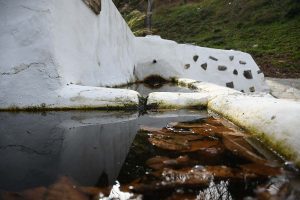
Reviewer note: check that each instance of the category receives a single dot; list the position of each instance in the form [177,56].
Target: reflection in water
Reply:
[215,192]
[90,147]
[162,155]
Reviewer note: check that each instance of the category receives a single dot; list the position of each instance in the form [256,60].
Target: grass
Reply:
[267,29]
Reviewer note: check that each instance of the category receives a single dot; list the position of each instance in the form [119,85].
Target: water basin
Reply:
[161,155]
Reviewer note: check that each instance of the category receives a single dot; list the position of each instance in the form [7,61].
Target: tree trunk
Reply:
[149,16]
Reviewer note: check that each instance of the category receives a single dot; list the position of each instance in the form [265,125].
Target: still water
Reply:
[37,148]
[175,154]
[160,155]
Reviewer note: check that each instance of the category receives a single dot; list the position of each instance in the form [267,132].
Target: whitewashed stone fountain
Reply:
[61,55]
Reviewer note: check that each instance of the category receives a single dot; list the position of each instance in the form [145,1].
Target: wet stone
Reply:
[242,62]
[213,58]
[230,85]
[248,74]
[222,68]
[195,58]
[187,66]
[204,66]
[235,72]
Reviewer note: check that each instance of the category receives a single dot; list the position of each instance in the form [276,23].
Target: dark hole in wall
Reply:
[155,81]
[94,5]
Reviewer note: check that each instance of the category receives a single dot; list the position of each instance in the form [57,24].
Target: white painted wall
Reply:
[169,59]
[52,51]
[48,45]
[28,70]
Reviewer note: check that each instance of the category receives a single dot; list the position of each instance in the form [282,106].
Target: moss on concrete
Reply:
[280,146]
[129,107]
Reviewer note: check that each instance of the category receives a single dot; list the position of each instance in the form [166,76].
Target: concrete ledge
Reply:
[275,121]
[73,97]
[167,100]
[285,88]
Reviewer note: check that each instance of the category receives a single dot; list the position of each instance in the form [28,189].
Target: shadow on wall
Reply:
[95,5]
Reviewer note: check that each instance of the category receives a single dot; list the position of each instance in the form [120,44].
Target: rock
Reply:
[235,72]
[204,66]
[252,89]
[242,62]
[213,58]
[187,66]
[222,68]
[230,85]
[248,74]
[195,58]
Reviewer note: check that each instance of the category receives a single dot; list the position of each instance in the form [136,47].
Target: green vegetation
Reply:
[267,29]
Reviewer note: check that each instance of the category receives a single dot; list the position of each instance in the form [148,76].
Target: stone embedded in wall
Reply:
[235,72]
[252,89]
[231,58]
[213,58]
[95,5]
[230,85]
[222,68]
[187,66]
[204,66]
[248,74]
[242,62]
[195,58]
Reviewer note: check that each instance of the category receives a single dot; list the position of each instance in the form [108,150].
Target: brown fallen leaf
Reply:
[156,162]
[197,124]
[185,196]
[262,169]
[64,189]
[94,191]
[224,172]
[29,194]
[241,147]
[209,126]
[182,144]
[160,162]
[169,179]
[169,144]
[149,129]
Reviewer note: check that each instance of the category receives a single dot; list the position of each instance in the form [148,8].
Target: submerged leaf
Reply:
[160,162]
[242,148]
[262,169]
